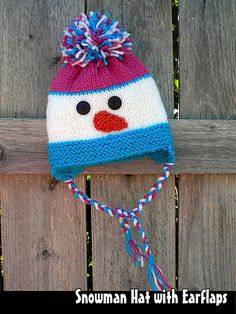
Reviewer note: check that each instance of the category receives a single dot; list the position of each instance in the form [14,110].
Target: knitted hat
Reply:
[104,107]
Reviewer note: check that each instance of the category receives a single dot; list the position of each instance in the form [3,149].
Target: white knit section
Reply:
[141,107]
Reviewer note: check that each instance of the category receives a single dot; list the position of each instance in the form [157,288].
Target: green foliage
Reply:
[173,27]
[175,3]
[89,256]
[176,85]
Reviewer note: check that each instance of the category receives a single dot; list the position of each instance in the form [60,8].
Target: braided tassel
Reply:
[155,277]
[133,249]
[138,253]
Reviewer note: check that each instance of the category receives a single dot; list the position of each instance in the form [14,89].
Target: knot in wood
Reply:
[52,184]
[212,126]
[46,253]
[55,60]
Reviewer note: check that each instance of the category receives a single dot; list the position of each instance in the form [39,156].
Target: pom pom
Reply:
[94,38]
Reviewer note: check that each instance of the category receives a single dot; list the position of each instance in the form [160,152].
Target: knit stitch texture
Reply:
[141,107]
[70,158]
[116,72]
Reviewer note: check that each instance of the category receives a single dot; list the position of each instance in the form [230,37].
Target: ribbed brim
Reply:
[68,159]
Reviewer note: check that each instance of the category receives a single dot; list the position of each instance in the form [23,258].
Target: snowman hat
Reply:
[104,107]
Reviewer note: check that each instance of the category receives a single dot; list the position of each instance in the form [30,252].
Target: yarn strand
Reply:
[138,252]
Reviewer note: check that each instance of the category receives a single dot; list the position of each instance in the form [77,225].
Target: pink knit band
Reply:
[94,77]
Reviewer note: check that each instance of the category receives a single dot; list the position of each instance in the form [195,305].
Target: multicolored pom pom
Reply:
[94,38]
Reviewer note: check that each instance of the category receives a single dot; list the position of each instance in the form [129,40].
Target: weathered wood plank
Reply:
[202,146]
[43,235]
[113,7]
[207,91]
[112,268]
[207,59]
[207,232]
[149,23]
[30,34]
[34,218]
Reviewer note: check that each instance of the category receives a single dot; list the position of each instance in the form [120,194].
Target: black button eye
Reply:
[114,102]
[83,107]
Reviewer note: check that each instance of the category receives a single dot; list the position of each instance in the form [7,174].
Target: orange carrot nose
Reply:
[107,122]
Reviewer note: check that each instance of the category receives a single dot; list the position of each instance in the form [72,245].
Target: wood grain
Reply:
[30,34]
[201,146]
[112,268]
[113,7]
[43,235]
[207,232]
[43,232]
[149,24]
[207,91]
[207,59]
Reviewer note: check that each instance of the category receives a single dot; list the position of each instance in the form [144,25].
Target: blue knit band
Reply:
[69,158]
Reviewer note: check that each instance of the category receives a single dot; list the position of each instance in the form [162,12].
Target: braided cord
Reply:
[139,253]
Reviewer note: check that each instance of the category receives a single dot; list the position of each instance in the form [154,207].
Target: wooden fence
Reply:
[43,232]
